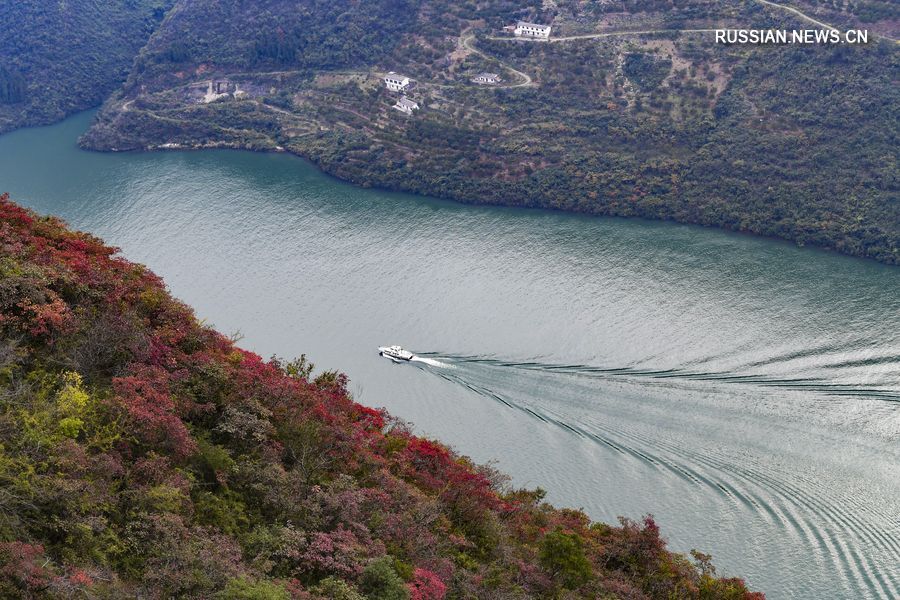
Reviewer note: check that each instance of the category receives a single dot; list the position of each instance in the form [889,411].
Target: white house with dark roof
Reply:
[532,30]
[395,82]
[487,79]
[405,105]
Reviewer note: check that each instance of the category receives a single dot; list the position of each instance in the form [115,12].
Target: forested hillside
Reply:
[797,142]
[878,15]
[144,455]
[60,57]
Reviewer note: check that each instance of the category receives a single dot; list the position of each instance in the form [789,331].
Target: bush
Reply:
[335,589]
[246,589]
[562,554]
[380,581]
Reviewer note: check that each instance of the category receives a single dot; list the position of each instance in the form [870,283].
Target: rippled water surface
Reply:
[744,391]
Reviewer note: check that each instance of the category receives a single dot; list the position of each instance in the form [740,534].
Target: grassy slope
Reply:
[144,455]
[795,142]
[69,55]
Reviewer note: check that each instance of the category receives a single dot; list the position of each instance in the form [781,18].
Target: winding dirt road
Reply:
[466,42]
[609,34]
[803,16]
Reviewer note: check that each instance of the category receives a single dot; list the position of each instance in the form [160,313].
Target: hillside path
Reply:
[609,34]
[466,42]
[802,15]
[606,34]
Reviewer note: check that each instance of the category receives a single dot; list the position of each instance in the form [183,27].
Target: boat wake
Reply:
[730,440]
[887,389]
[431,362]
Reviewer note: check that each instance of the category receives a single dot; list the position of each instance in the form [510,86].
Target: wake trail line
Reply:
[431,362]
[801,508]
[886,393]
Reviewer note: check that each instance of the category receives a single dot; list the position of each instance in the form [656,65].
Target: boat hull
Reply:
[401,355]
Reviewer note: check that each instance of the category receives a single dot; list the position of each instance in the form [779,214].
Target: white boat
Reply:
[396,353]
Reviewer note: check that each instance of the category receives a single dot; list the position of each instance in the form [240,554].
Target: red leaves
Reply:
[27,572]
[42,319]
[459,485]
[13,213]
[332,553]
[426,463]
[80,578]
[374,417]
[150,410]
[23,567]
[428,455]
[426,586]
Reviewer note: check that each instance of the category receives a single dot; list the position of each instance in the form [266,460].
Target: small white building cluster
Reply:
[532,30]
[396,83]
[217,89]
[487,79]
[401,83]
[405,105]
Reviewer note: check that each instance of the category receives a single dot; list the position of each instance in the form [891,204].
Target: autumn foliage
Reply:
[143,454]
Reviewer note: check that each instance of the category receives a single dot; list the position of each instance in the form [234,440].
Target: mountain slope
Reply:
[57,58]
[145,455]
[797,142]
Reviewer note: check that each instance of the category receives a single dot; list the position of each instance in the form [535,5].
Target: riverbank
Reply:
[741,390]
[351,154]
[666,126]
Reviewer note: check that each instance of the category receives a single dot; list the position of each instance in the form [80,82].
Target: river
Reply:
[744,391]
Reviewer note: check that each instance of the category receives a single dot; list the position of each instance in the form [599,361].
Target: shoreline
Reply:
[324,168]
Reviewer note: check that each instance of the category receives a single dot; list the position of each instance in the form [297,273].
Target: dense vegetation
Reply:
[882,14]
[143,454]
[277,33]
[797,142]
[269,35]
[12,87]
[660,126]
[60,57]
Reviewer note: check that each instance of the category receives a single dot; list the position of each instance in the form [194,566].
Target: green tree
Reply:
[12,87]
[337,590]
[562,554]
[242,588]
[380,581]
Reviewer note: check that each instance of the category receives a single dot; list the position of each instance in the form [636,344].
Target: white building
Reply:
[532,30]
[487,79]
[396,83]
[218,89]
[405,105]
[215,91]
